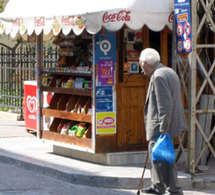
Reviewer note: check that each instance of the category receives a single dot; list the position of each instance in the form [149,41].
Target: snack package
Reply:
[69,83]
[81,129]
[85,133]
[72,130]
[62,60]
[79,109]
[63,130]
[63,84]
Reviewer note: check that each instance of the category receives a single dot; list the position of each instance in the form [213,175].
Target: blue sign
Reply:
[104,99]
[105,46]
[183,26]
[134,67]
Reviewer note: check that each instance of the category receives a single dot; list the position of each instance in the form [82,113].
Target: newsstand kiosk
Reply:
[98,90]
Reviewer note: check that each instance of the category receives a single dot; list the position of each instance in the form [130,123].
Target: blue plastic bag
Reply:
[163,149]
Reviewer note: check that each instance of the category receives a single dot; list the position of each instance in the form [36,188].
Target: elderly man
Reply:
[163,114]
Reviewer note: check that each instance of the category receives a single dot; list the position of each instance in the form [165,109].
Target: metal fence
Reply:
[16,67]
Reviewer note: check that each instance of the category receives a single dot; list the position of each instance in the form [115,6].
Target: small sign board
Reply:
[183,26]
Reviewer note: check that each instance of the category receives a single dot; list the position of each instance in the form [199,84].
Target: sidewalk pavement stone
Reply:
[25,150]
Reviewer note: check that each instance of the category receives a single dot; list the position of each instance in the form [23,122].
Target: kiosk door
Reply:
[132,85]
[130,108]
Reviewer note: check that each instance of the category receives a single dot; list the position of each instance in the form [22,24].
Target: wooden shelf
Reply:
[67,115]
[73,140]
[84,74]
[68,55]
[66,45]
[66,99]
[69,91]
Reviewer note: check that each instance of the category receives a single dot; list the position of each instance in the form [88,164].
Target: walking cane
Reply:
[141,180]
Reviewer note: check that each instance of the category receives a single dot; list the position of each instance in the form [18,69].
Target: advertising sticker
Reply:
[105,47]
[104,99]
[105,72]
[105,123]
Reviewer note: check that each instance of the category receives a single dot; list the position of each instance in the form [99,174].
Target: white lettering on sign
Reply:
[30,116]
[106,121]
[122,15]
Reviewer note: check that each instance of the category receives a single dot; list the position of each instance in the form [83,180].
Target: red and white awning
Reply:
[28,16]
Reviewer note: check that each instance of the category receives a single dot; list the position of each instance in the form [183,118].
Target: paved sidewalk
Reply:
[25,150]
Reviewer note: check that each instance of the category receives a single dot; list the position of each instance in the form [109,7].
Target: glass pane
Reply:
[133,45]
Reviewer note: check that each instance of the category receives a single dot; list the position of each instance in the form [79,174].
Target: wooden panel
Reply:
[67,115]
[164,46]
[106,143]
[61,105]
[83,142]
[70,91]
[71,103]
[55,99]
[130,117]
[54,125]
[69,73]
[134,80]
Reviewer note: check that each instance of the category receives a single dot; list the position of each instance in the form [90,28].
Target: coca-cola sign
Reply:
[17,22]
[39,21]
[171,18]
[68,21]
[122,15]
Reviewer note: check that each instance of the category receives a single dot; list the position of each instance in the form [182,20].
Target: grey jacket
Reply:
[163,107]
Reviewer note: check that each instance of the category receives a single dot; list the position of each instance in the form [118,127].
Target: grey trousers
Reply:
[164,175]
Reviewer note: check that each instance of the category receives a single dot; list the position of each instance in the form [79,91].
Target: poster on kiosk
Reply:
[30,105]
[105,59]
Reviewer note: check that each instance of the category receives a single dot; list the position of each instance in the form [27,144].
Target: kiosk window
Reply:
[132,46]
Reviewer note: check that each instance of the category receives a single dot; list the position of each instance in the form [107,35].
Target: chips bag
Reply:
[81,129]
[72,130]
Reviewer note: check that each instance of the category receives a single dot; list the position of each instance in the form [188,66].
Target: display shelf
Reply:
[67,115]
[68,55]
[72,73]
[69,106]
[70,91]
[63,45]
[72,140]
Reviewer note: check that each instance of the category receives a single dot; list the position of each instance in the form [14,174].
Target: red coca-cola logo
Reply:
[39,21]
[17,22]
[122,15]
[68,21]
[171,18]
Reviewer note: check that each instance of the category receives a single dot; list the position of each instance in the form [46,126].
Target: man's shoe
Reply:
[149,191]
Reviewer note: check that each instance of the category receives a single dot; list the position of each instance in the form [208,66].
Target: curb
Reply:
[89,180]
[187,183]
[204,182]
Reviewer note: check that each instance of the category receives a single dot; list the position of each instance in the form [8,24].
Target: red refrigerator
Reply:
[30,105]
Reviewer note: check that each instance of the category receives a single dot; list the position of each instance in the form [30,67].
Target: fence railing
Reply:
[15,68]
